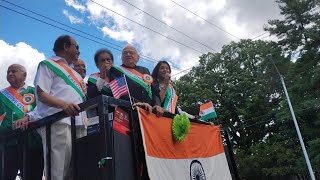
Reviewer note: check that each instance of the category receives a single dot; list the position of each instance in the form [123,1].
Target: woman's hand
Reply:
[145,106]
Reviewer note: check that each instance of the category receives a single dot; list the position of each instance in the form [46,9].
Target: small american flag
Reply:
[119,87]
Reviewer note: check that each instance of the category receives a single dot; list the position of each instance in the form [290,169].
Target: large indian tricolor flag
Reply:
[207,111]
[200,156]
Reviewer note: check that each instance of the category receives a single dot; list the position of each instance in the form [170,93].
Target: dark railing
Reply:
[100,106]
[101,103]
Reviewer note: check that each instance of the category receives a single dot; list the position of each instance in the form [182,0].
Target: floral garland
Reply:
[180,126]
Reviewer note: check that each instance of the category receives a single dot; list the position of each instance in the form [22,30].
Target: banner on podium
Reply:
[200,156]
[121,121]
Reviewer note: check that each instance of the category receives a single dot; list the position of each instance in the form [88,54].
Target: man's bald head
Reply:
[80,67]
[130,56]
[16,75]
[19,66]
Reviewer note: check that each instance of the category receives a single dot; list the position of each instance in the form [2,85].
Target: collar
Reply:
[22,88]
[128,66]
[58,58]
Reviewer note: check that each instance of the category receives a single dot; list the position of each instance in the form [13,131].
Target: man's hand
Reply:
[21,123]
[158,110]
[145,106]
[71,109]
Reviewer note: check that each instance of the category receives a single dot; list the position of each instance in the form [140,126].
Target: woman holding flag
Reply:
[98,83]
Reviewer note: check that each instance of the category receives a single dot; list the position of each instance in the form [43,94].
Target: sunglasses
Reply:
[77,46]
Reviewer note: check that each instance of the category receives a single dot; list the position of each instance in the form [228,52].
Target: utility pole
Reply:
[306,157]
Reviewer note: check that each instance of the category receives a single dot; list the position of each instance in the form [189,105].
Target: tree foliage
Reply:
[249,99]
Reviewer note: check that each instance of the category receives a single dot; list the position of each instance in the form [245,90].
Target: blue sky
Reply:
[27,41]
[16,28]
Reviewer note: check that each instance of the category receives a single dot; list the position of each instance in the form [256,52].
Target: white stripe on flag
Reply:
[118,87]
[117,94]
[207,111]
[215,167]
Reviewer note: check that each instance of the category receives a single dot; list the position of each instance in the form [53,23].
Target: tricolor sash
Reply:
[93,78]
[144,80]
[66,73]
[171,99]
[20,104]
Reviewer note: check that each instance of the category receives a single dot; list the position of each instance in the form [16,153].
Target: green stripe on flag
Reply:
[92,80]
[208,116]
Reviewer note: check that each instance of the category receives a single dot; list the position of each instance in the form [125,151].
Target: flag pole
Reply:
[125,79]
[306,157]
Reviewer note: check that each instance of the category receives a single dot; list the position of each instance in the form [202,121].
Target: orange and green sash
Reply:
[20,104]
[93,78]
[144,80]
[171,99]
[66,73]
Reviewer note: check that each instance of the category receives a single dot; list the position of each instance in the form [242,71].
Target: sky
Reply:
[178,31]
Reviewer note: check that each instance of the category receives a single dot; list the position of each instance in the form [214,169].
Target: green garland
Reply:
[180,126]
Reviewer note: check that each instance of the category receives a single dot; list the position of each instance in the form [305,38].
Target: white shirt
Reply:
[55,86]
[100,83]
[23,88]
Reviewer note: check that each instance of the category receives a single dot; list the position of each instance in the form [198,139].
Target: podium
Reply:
[89,154]
[103,143]
[116,151]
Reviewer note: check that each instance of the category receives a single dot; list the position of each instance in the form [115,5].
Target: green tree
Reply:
[299,35]
[300,27]
[249,99]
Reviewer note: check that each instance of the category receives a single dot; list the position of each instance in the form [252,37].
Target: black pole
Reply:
[48,151]
[24,157]
[230,152]
[134,146]
[3,151]
[106,161]
[74,148]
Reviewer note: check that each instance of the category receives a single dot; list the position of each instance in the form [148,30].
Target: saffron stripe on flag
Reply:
[207,111]
[206,105]
[201,142]
[200,156]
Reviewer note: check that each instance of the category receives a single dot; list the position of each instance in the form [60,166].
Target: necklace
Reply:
[162,87]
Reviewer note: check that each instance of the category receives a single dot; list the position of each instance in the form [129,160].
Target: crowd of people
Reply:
[59,85]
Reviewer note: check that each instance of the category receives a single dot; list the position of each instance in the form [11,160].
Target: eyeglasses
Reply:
[106,59]
[77,46]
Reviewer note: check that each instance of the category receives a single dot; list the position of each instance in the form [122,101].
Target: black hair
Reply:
[60,41]
[100,51]
[155,72]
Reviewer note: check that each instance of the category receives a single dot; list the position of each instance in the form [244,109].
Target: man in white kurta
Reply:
[55,92]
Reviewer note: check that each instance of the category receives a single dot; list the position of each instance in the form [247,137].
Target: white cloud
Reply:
[73,19]
[21,53]
[231,25]
[243,19]
[120,35]
[76,5]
